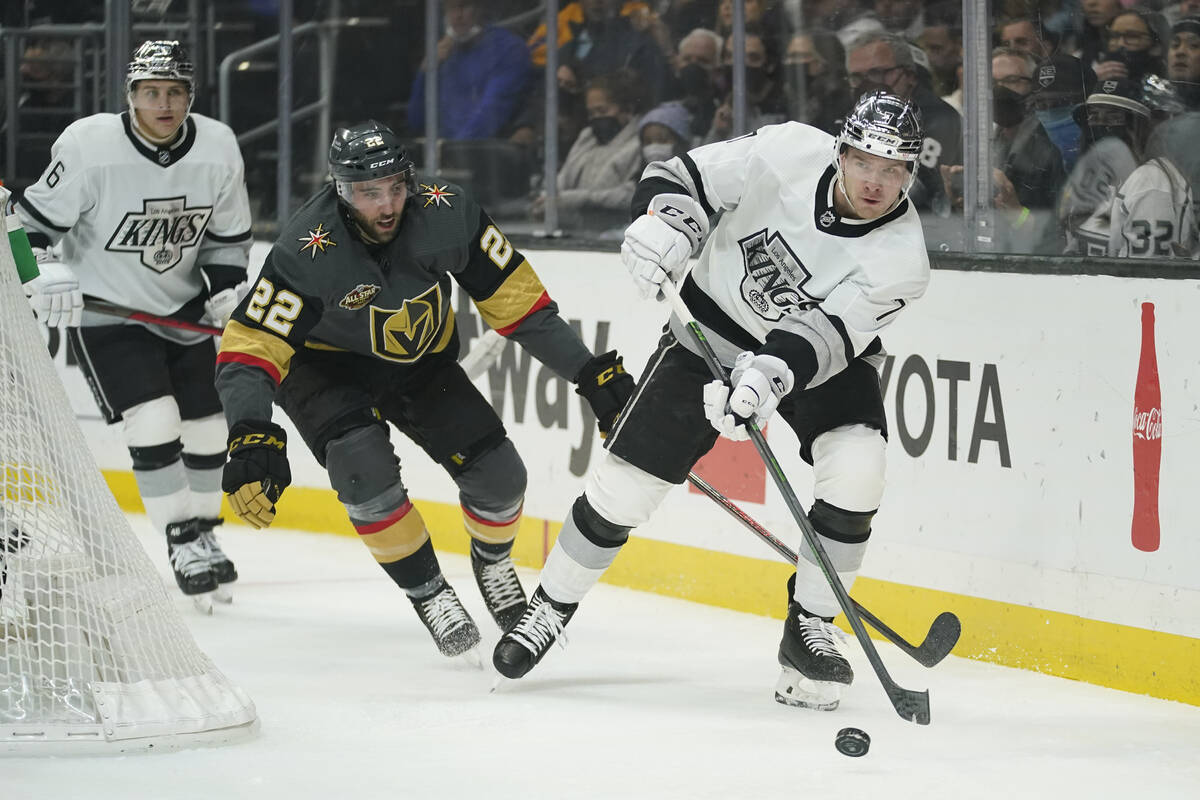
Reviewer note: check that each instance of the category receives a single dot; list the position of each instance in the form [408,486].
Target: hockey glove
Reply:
[257,471]
[605,384]
[658,244]
[54,294]
[219,308]
[759,383]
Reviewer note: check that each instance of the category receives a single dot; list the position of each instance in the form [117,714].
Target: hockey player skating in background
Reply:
[148,209]
[350,327]
[808,263]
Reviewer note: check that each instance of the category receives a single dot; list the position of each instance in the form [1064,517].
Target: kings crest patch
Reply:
[359,296]
[316,241]
[772,284]
[828,218]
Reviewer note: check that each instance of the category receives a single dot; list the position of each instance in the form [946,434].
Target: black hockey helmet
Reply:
[366,152]
[161,60]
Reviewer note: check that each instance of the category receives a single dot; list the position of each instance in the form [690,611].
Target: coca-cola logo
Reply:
[1147,424]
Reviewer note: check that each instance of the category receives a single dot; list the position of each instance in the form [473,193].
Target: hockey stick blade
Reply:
[911,706]
[937,644]
[483,353]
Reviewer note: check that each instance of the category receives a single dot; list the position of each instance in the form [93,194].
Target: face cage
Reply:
[840,178]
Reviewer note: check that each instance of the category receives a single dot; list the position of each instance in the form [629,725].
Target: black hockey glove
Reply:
[257,471]
[605,384]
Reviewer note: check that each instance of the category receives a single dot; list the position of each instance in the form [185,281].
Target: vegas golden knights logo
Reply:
[404,334]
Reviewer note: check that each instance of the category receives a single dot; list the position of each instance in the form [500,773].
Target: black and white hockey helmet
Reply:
[366,152]
[885,125]
[161,60]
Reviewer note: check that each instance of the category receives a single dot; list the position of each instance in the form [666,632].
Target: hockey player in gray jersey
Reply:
[807,261]
[148,210]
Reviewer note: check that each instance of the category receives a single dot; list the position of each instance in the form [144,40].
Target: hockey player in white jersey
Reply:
[147,209]
[808,259]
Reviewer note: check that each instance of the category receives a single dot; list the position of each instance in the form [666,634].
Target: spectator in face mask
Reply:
[1115,123]
[596,182]
[765,102]
[665,132]
[1183,61]
[1020,146]
[1134,47]
[483,72]
[696,61]
[1057,90]
[815,79]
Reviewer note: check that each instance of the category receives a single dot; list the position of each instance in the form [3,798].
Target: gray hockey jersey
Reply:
[780,265]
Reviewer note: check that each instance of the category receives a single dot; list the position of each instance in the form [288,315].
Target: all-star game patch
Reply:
[435,195]
[359,296]
[316,240]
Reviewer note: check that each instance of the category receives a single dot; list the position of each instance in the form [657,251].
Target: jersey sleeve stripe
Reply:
[646,190]
[242,344]
[539,304]
[232,239]
[694,172]
[517,297]
[706,310]
[40,217]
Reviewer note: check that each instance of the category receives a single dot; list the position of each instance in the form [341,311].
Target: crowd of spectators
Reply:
[1094,102]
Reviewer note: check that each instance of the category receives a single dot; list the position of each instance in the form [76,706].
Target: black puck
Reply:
[852,742]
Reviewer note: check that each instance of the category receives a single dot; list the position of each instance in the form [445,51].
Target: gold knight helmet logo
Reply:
[404,334]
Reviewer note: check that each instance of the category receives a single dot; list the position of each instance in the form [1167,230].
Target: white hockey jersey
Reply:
[1085,206]
[136,222]
[781,262]
[1153,214]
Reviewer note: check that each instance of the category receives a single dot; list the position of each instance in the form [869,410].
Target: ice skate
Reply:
[540,626]
[220,564]
[452,628]
[815,671]
[189,559]
[500,587]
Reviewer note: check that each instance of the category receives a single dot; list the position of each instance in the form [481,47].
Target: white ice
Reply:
[652,698]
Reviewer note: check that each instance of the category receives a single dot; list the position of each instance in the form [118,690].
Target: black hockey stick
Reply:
[114,310]
[910,705]
[943,633]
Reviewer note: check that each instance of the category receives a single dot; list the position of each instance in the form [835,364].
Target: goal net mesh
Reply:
[92,647]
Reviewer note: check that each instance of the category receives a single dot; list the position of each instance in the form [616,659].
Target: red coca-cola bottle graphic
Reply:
[1147,440]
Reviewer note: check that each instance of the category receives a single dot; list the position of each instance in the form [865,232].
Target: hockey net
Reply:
[94,655]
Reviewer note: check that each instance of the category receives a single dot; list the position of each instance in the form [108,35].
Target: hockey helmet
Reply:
[366,152]
[161,60]
[883,124]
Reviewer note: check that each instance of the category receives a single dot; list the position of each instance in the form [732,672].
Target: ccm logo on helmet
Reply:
[383,163]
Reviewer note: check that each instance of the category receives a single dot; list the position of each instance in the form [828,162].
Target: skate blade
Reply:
[794,689]
[223,595]
[203,603]
[471,658]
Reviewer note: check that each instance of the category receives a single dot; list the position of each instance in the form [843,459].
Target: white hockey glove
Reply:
[759,383]
[54,294]
[658,244]
[219,307]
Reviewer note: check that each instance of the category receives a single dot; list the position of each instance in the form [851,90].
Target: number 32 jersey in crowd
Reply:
[781,266]
[135,220]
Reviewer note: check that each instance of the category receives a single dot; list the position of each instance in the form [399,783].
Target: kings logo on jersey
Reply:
[774,276]
[404,334]
[160,232]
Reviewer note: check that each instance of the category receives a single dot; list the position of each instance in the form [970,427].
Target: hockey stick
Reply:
[114,310]
[910,705]
[483,353]
[943,633]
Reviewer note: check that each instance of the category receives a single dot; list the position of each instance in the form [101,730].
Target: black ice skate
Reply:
[814,668]
[189,558]
[218,562]
[500,587]
[448,622]
[540,626]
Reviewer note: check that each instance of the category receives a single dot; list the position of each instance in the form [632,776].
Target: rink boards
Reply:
[1010,486]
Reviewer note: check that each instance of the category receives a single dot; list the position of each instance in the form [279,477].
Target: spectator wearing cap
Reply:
[1135,45]
[1115,123]
[1021,148]
[1177,11]
[665,132]
[1057,90]
[1183,61]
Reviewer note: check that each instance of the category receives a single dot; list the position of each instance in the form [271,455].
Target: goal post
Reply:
[94,655]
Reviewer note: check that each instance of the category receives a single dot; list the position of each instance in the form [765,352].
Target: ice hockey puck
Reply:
[852,742]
